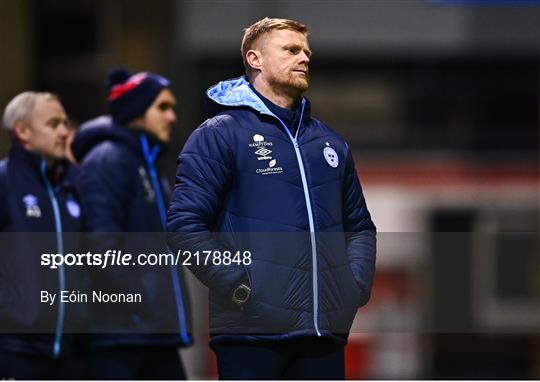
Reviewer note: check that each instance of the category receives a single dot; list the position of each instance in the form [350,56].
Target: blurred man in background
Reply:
[122,191]
[37,195]
[261,163]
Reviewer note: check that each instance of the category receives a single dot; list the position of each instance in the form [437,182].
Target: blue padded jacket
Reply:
[121,190]
[245,183]
[39,213]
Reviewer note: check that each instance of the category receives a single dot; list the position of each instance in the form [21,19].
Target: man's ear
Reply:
[137,122]
[21,131]
[254,59]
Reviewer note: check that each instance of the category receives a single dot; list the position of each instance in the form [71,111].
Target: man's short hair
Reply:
[20,107]
[261,27]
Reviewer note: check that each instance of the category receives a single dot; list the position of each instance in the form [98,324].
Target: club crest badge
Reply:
[73,208]
[331,156]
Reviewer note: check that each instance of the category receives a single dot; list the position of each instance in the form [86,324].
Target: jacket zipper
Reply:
[177,285]
[57,345]
[315,281]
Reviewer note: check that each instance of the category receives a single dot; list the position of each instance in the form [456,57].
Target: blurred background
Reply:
[439,100]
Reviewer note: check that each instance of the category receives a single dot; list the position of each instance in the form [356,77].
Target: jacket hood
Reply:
[237,93]
[97,130]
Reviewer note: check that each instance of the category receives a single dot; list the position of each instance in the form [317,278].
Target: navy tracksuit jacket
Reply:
[121,191]
[38,209]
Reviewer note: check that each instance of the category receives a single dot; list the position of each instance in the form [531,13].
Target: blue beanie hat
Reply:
[131,95]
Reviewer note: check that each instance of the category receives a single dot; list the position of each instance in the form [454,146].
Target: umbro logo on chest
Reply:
[262,147]
[263,152]
[32,207]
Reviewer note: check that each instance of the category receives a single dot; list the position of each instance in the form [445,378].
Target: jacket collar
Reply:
[102,129]
[23,158]
[237,92]
[289,117]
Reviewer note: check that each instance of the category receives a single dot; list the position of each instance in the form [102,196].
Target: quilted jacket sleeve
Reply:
[204,174]
[103,188]
[360,230]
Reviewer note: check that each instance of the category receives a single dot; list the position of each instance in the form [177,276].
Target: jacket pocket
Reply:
[359,294]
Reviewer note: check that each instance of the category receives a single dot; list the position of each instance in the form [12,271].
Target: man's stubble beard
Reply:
[291,85]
